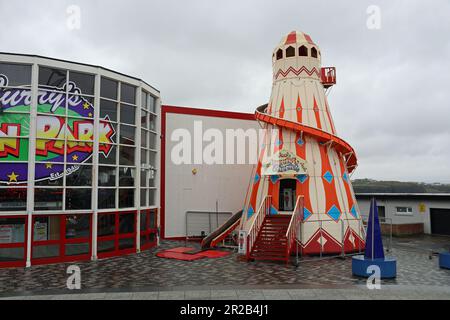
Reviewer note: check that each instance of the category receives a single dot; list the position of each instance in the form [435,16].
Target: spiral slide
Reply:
[339,144]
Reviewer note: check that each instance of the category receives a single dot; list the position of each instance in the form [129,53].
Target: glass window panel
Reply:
[49,174]
[17,74]
[84,81]
[80,177]
[127,223]
[143,197]
[151,103]
[152,122]
[77,157]
[106,198]
[151,197]
[48,128]
[108,109]
[144,99]
[152,141]
[107,176]
[56,154]
[126,198]
[78,226]
[143,157]
[144,117]
[109,131]
[152,159]
[108,88]
[106,246]
[14,228]
[127,93]
[88,106]
[127,135]
[143,178]
[47,228]
[13,125]
[127,243]
[126,176]
[127,114]
[144,136]
[78,199]
[126,156]
[13,199]
[17,151]
[47,251]
[151,178]
[54,108]
[12,254]
[76,249]
[15,100]
[106,224]
[52,77]
[48,199]
[110,157]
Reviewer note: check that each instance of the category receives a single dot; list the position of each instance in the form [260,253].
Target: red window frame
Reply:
[18,263]
[148,230]
[62,241]
[117,236]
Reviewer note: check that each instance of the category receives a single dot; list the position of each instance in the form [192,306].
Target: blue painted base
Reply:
[388,266]
[444,260]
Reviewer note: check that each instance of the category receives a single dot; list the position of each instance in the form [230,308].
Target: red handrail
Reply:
[296,219]
[258,221]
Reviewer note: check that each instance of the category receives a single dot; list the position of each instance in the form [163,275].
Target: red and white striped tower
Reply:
[302,154]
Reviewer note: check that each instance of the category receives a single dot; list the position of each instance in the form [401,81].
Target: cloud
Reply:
[391,101]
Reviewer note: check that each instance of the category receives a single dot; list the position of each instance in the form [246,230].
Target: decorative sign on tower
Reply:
[302,154]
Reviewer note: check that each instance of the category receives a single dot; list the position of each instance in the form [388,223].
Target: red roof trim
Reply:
[208,112]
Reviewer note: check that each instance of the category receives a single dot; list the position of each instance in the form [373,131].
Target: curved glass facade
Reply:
[79,159]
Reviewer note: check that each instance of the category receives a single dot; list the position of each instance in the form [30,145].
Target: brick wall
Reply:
[402,229]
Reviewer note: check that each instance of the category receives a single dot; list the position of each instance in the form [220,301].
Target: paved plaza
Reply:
[145,276]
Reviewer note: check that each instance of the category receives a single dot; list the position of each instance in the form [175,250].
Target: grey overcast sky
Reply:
[392,100]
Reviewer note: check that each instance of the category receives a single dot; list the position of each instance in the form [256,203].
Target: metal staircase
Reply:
[272,237]
[271,242]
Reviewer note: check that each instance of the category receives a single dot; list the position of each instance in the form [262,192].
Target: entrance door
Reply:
[440,221]
[287,194]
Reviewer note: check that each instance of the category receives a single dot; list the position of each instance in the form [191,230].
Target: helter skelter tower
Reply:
[303,156]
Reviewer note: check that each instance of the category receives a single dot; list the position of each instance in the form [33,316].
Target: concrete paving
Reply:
[144,276]
[356,293]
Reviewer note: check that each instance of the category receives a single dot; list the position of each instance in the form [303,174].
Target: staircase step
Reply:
[270,245]
[269,253]
[268,258]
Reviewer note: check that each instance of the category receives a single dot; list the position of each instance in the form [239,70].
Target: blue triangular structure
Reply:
[374,243]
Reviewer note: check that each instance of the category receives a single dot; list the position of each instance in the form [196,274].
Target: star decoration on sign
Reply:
[90,114]
[13,177]
[48,165]
[75,157]
[86,106]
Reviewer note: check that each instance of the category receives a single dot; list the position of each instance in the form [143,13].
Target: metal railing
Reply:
[341,222]
[296,219]
[361,225]
[258,220]
[212,215]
